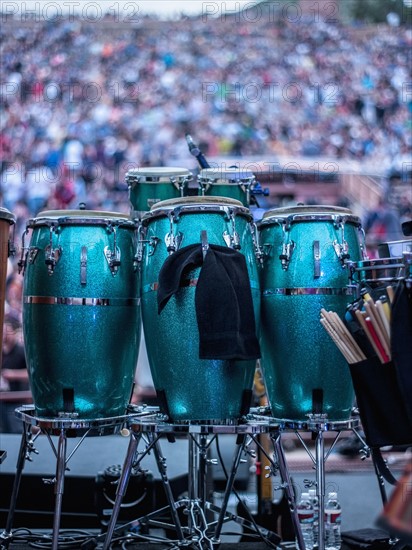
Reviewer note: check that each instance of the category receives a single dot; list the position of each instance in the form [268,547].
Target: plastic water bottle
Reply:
[333,513]
[305,516]
[315,503]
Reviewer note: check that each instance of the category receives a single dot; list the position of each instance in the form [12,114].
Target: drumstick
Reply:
[385,320]
[372,329]
[343,331]
[336,328]
[350,358]
[391,293]
[362,323]
[377,325]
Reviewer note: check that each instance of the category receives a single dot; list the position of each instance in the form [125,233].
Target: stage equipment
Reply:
[190,388]
[305,251]
[81,312]
[232,182]
[196,152]
[149,185]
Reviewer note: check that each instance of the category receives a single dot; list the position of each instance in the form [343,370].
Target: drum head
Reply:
[6,215]
[156,174]
[303,210]
[79,217]
[228,175]
[196,201]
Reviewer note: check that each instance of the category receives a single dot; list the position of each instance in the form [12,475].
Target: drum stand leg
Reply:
[59,486]
[25,446]
[124,479]
[287,485]
[231,479]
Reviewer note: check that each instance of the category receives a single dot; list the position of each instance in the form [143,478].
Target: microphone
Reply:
[196,152]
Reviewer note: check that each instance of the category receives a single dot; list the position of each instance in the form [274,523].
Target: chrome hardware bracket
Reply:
[341,249]
[255,239]
[112,255]
[21,264]
[316,259]
[232,239]
[286,255]
[83,265]
[205,243]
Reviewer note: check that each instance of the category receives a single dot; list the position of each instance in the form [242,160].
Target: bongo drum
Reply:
[190,388]
[229,182]
[150,185]
[81,312]
[6,220]
[305,249]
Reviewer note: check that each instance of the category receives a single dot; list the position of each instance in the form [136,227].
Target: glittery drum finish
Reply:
[235,183]
[81,316]
[149,185]
[195,389]
[298,356]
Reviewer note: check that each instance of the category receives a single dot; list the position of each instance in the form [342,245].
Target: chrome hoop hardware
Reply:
[51,255]
[255,239]
[232,239]
[21,264]
[112,256]
[287,247]
[173,241]
[341,249]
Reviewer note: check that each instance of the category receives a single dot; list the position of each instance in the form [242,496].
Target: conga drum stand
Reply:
[317,424]
[200,532]
[62,427]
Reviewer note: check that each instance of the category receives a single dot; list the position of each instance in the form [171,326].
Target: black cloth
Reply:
[223,300]
[401,342]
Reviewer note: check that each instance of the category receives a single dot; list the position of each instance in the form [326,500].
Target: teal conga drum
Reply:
[81,312]
[235,183]
[149,185]
[190,388]
[306,250]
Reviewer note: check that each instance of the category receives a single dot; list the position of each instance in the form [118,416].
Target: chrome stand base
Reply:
[199,530]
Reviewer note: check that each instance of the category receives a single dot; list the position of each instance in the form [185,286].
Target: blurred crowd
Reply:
[84,101]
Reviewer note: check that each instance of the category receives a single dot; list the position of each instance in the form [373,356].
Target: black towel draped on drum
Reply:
[223,300]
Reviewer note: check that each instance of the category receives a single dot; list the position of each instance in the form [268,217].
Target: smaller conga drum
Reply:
[190,388]
[6,220]
[81,312]
[304,270]
[235,183]
[150,185]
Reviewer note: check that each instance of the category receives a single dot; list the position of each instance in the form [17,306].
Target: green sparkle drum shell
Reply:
[81,316]
[194,389]
[149,185]
[234,183]
[302,367]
